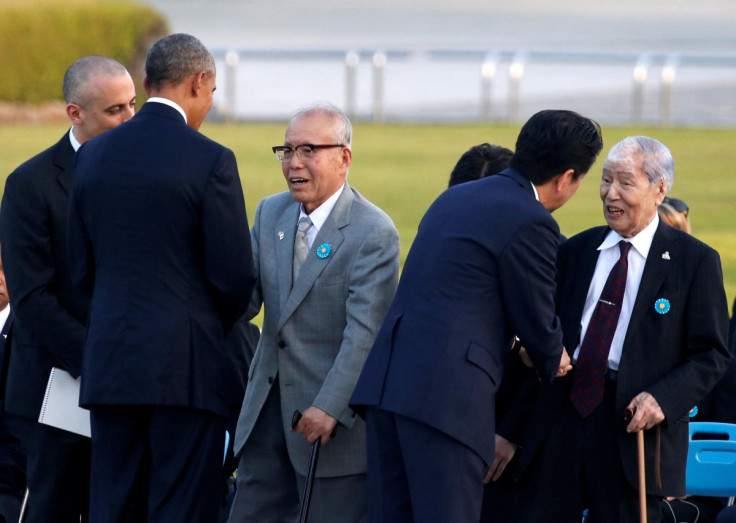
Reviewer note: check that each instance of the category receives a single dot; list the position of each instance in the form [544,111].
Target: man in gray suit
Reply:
[326,287]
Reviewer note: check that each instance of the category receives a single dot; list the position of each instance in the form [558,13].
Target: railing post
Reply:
[379,64]
[487,74]
[516,73]
[641,71]
[352,59]
[669,71]
[231,84]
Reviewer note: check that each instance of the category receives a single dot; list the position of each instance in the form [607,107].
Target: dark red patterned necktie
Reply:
[590,370]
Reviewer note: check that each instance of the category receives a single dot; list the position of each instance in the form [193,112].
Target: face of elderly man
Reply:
[630,199]
[314,180]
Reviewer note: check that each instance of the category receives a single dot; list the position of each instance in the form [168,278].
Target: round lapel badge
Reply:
[324,250]
[662,306]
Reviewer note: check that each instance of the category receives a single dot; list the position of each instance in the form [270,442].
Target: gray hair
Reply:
[657,162]
[176,57]
[76,84]
[345,135]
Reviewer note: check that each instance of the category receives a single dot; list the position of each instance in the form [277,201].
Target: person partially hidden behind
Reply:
[50,314]
[12,457]
[480,161]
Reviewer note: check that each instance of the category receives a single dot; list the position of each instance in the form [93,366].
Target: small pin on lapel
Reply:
[324,250]
[666,255]
[281,235]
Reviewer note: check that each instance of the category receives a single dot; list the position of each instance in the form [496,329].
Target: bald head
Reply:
[100,95]
[78,78]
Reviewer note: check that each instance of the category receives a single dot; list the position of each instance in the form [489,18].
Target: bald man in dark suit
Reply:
[51,315]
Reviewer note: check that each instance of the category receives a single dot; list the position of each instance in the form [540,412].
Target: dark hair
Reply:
[677,204]
[552,142]
[175,58]
[480,161]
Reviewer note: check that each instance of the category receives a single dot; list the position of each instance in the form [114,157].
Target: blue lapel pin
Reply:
[662,306]
[324,250]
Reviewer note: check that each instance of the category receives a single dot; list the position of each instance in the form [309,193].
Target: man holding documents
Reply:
[50,315]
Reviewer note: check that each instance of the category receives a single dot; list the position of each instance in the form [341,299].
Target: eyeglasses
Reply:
[678,205]
[304,151]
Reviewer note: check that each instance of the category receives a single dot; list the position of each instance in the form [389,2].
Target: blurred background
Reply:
[651,62]
[423,80]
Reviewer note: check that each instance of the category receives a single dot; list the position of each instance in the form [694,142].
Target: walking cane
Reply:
[642,468]
[304,512]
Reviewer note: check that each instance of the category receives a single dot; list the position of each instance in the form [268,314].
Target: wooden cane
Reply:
[642,468]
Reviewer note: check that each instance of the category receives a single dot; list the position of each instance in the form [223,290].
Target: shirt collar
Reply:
[170,103]
[75,143]
[320,214]
[536,193]
[642,242]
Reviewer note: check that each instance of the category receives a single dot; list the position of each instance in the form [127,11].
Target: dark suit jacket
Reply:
[677,357]
[158,234]
[480,270]
[50,313]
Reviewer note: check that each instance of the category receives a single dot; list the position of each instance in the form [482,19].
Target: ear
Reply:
[564,180]
[198,81]
[73,111]
[347,157]
[660,191]
[146,86]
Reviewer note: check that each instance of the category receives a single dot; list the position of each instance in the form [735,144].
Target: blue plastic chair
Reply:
[711,463]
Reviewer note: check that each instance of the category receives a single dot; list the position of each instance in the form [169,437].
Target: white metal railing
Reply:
[494,67]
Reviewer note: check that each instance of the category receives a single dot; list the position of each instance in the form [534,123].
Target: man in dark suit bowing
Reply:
[644,311]
[50,314]
[480,270]
[158,235]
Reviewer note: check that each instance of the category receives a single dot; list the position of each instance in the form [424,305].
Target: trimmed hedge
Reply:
[40,40]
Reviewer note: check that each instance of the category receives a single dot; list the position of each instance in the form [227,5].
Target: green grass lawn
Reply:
[403,167]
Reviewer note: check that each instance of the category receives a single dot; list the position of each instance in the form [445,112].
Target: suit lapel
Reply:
[656,269]
[285,251]
[64,163]
[330,234]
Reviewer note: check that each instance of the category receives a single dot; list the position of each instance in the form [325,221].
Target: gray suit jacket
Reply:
[317,333]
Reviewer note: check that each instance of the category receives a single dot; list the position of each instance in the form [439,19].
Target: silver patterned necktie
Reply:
[301,244]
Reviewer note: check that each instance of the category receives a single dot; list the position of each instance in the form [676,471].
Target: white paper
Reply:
[61,408]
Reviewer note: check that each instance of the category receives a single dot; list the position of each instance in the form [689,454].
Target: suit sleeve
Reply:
[256,296]
[373,280]
[31,273]
[228,259]
[527,276]
[704,352]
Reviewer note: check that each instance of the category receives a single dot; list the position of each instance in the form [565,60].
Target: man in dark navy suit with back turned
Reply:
[480,271]
[158,235]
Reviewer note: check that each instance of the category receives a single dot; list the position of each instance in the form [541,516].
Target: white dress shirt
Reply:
[166,101]
[609,255]
[319,215]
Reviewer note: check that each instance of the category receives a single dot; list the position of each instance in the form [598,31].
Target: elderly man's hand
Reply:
[505,451]
[315,423]
[647,412]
